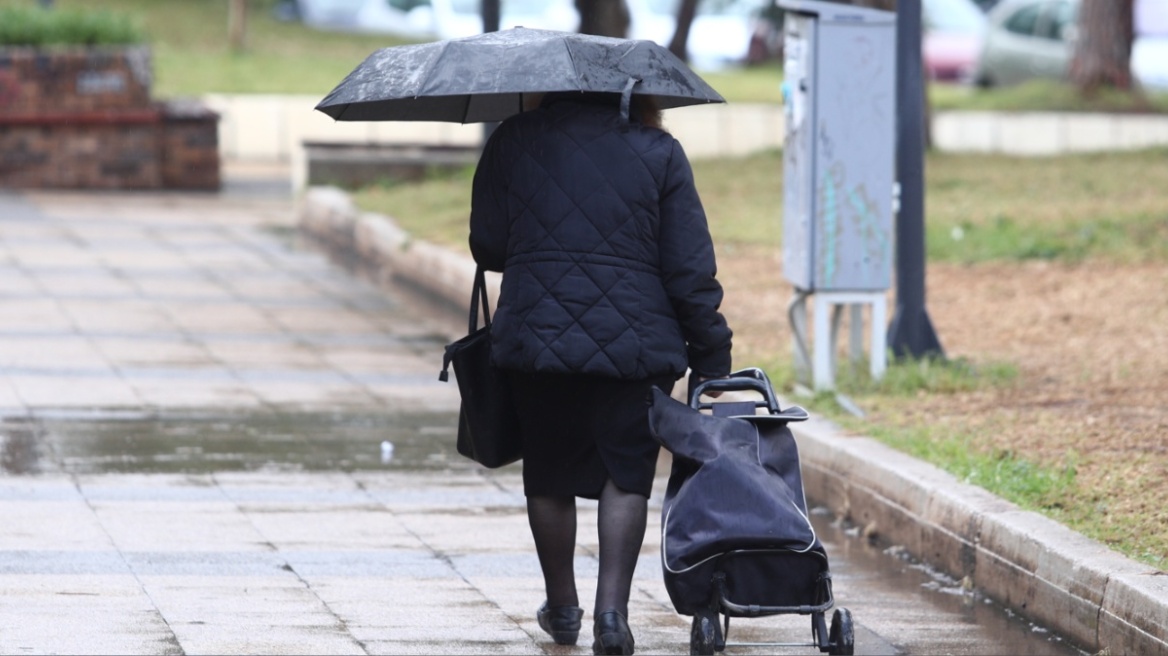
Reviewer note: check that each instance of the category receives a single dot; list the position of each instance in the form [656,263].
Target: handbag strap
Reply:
[478,295]
[478,292]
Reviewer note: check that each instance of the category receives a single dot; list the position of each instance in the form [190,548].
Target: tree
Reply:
[1102,56]
[237,24]
[686,10]
[603,17]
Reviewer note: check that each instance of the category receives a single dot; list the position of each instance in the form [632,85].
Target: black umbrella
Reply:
[484,77]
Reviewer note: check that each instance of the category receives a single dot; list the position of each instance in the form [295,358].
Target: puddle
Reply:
[203,443]
[898,576]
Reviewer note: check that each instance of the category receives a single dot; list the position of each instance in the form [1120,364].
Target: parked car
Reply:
[1034,39]
[952,39]
[724,31]
[431,19]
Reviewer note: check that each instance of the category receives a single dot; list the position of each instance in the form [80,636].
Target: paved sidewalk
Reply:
[156,302]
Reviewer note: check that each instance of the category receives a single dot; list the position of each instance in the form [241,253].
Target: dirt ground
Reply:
[1090,344]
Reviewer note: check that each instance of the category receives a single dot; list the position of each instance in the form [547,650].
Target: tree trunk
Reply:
[686,10]
[237,24]
[603,17]
[1102,55]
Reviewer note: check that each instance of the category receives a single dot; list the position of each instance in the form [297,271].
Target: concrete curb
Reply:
[1055,576]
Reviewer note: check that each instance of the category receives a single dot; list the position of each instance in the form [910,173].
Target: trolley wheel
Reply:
[703,635]
[841,638]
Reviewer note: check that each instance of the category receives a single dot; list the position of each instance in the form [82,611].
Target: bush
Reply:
[31,26]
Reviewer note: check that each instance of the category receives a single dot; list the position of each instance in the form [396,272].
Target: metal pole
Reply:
[490,10]
[911,332]
[490,16]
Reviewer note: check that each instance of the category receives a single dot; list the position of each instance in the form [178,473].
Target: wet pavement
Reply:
[214,440]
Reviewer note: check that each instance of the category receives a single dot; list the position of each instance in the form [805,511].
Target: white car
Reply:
[1030,39]
[720,35]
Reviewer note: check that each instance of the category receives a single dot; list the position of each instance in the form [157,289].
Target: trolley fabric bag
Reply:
[488,426]
[734,504]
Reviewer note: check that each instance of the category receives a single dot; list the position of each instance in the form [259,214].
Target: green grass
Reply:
[1032,486]
[1043,95]
[436,210]
[34,26]
[753,84]
[908,377]
[1073,207]
[979,207]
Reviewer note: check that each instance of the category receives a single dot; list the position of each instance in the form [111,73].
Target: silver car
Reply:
[1034,39]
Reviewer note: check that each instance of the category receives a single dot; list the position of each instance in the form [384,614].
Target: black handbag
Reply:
[488,426]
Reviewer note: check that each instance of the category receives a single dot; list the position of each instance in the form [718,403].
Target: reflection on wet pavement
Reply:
[927,611]
[204,442]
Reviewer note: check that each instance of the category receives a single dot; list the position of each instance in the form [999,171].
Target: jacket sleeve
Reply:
[688,270]
[489,223]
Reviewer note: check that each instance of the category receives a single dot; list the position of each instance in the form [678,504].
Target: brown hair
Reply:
[642,109]
[646,111]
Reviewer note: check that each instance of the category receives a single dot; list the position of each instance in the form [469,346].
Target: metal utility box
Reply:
[839,150]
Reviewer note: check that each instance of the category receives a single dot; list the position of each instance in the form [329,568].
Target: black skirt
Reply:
[580,431]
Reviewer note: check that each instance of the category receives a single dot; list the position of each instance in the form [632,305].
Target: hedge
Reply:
[35,26]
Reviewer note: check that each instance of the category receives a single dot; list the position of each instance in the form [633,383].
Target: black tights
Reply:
[621,527]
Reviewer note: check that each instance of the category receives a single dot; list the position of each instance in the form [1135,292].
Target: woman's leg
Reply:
[621,527]
[553,525]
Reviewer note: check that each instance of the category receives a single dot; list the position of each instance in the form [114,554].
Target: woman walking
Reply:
[589,210]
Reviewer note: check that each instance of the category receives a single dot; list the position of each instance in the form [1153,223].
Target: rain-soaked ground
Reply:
[899,605]
[203,443]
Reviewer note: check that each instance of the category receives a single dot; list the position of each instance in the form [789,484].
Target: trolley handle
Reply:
[745,380]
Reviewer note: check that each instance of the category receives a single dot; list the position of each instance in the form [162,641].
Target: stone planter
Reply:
[66,80]
[75,117]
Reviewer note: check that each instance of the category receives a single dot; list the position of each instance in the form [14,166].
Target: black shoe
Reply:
[562,623]
[612,634]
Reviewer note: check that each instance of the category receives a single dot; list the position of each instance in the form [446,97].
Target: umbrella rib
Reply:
[572,58]
[433,64]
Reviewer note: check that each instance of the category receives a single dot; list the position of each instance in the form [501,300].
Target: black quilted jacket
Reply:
[608,268]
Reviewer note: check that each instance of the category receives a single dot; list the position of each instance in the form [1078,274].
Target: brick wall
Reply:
[190,147]
[67,80]
[76,118]
[81,155]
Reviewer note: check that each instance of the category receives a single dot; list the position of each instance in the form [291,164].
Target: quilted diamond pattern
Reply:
[575,207]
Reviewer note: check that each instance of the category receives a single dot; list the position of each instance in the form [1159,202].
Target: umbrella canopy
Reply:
[484,77]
